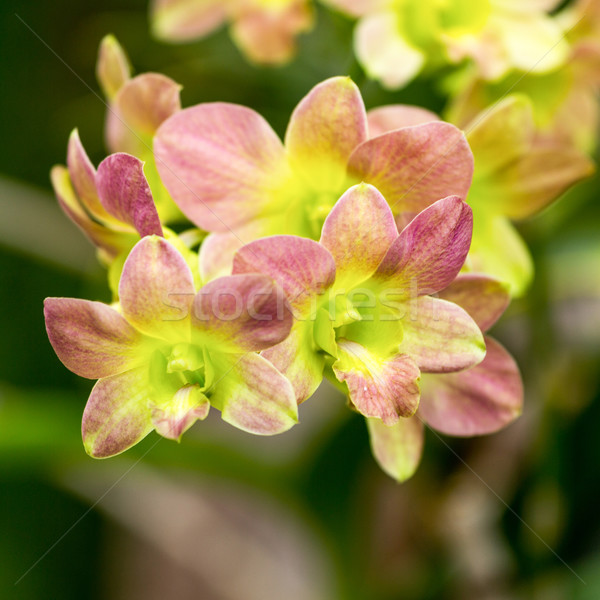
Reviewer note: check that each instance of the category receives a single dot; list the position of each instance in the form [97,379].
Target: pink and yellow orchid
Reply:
[264,30]
[125,199]
[362,301]
[231,175]
[113,206]
[396,39]
[475,401]
[136,108]
[515,176]
[169,352]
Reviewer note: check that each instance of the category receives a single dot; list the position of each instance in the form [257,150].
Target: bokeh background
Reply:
[307,515]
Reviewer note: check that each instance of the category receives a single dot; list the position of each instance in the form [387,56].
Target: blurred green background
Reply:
[308,515]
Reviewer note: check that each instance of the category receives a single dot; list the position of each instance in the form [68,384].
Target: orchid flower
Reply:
[112,206]
[362,304]
[515,177]
[231,175]
[476,401]
[565,102]
[170,353]
[136,108]
[264,30]
[396,39]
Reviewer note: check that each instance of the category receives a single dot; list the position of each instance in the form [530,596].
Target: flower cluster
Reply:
[396,39]
[344,252]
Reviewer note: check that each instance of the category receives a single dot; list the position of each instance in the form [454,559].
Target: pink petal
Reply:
[242,313]
[90,338]
[430,250]
[217,251]
[137,111]
[267,34]
[215,257]
[222,164]
[384,388]
[477,401]
[255,397]
[297,358]
[117,416]
[125,193]
[395,116]
[357,8]
[358,232]
[440,336]
[397,448]
[157,290]
[173,418]
[327,125]
[83,177]
[483,297]
[183,20]
[415,166]
[112,243]
[302,267]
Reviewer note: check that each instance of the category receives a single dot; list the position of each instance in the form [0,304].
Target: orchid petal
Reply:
[357,8]
[430,250]
[125,193]
[323,131]
[157,289]
[483,297]
[531,182]
[116,415]
[112,243]
[501,134]
[384,388]
[415,166]
[384,53]
[254,396]
[302,267]
[137,111]
[267,35]
[242,313]
[396,116]
[499,251]
[533,43]
[477,401]
[221,162]
[112,67]
[397,448]
[298,360]
[172,419]
[358,232]
[215,258]
[440,336]
[183,20]
[83,177]
[91,338]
